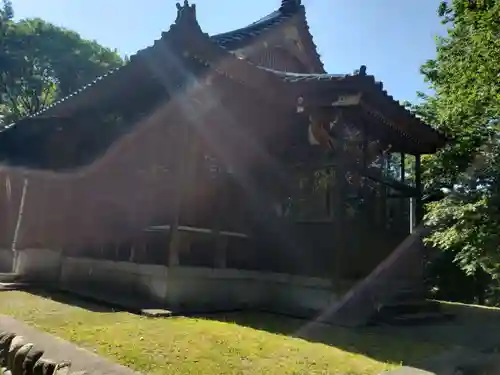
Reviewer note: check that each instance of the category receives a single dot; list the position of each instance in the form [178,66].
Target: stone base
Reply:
[6,259]
[156,313]
[179,289]
[38,265]
[196,290]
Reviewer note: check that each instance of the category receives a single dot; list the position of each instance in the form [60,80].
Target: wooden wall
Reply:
[235,176]
[105,207]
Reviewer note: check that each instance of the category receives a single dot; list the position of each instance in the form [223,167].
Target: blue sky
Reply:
[391,37]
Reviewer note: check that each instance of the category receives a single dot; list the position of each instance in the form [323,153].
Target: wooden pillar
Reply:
[403,171]
[403,201]
[181,181]
[220,243]
[383,205]
[419,209]
[220,251]
[339,210]
[340,198]
[330,197]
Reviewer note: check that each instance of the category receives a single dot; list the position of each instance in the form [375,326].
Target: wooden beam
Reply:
[411,191]
[327,94]
[400,195]
[419,209]
[407,189]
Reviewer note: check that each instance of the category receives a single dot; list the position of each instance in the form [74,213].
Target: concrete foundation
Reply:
[182,288]
[40,265]
[6,258]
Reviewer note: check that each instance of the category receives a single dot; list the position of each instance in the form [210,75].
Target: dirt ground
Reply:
[473,338]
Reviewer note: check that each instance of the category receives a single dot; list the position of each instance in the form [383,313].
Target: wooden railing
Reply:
[403,269]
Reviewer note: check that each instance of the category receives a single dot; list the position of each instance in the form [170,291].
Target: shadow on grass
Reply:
[384,347]
[474,327]
[66,298]
[381,346]
[103,300]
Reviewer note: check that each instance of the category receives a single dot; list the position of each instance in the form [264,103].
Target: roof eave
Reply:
[186,21]
[309,39]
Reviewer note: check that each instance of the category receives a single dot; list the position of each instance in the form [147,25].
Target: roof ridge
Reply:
[232,39]
[186,16]
[290,5]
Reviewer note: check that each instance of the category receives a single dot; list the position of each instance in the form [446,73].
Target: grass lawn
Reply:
[224,344]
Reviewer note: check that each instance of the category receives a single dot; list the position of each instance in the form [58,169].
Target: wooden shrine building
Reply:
[233,151]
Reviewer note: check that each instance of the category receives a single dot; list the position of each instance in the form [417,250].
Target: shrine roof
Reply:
[306,77]
[182,54]
[235,39]
[231,40]
[239,38]
[174,61]
[374,95]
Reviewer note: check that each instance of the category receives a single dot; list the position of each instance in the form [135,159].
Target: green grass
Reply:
[224,344]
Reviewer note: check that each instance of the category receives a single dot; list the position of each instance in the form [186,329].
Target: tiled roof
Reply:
[366,82]
[237,38]
[120,71]
[230,40]
[116,73]
[358,75]
[24,143]
[306,77]
[38,127]
[81,89]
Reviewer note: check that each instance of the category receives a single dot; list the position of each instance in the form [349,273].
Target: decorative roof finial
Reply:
[186,14]
[290,5]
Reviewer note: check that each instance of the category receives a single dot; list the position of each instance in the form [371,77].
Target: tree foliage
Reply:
[465,76]
[41,62]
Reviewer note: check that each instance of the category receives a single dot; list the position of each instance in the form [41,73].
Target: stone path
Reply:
[409,371]
[61,350]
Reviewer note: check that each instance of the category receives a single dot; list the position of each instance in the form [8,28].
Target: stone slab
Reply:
[156,313]
[127,303]
[406,370]
[13,286]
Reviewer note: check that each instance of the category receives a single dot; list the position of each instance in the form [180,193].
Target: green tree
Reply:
[466,79]
[41,62]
